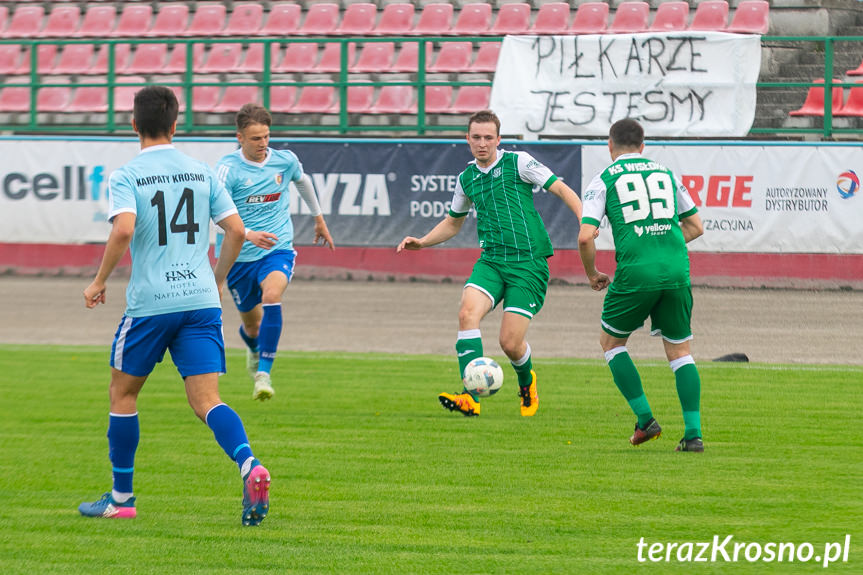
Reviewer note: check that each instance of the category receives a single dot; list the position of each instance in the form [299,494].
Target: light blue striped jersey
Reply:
[173,198]
[260,191]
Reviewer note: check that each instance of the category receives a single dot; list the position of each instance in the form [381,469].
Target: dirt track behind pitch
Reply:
[787,326]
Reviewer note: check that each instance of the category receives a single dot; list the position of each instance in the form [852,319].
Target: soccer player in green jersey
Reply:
[652,218]
[515,246]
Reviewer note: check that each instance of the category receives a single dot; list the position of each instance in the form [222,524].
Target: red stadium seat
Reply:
[246,19]
[435,20]
[283,20]
[299,57]
[222,58]
[282,99]
[473,20]
[236,96]
[670,17]
[407,60]
[552,18]
[360,99]
[75,59]
[358,20]
[853,105]
[205,98]
[45,56]
[26,22]
[590,18]
[858,71]
[121,58]
[134,21]
[453,57]
[331,58]
[750,17]
[395,100]
[316,100]
[98,22]
[321,20]
[376,57]
[630,17]
[396,20]
[253,63]
[177,59]
[710,16]
[14,98]
[53,99]
[470,99]
[208,20]
[63,21]
[486,57]
[438,99]
[89,99]
[171,20]
[814,104]
[10,59]
[124,96]
[511,19]
[4,19]
[147,59]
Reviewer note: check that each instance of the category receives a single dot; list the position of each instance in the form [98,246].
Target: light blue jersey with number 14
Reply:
[173,198]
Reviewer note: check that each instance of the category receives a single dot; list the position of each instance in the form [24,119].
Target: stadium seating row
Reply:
[283,99]
[376,57]
[814,103]
[250,19]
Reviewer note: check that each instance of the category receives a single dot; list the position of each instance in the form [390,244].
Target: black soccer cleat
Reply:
[690,445]
[650,431]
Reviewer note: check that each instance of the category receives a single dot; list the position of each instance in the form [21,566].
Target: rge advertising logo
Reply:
[71,183]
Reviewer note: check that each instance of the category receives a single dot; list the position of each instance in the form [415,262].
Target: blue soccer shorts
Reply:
[244,279]
[193,337]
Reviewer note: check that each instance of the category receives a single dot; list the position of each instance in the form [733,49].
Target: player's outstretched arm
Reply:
[691,227]
[118,242]
[446,229]
[322,233]
[231,245]
[587,249]
[568,196]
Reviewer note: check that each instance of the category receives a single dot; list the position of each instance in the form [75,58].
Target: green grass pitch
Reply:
[371,475]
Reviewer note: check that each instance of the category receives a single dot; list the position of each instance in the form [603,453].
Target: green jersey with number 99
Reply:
[644,203]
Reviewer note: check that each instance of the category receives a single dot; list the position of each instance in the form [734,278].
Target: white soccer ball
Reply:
[483,376]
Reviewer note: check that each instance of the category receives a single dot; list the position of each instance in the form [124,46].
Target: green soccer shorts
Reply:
[669,310]
[520,285]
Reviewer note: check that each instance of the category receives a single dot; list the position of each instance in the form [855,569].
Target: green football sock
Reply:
[689,391]
[628,381]
[523,368]
[468,346]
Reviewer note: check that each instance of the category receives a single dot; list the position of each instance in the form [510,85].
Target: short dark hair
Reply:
[253,114]
[155,111]
[484,117]
[627,134]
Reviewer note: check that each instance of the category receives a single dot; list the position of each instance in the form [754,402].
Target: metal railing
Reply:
[346,121]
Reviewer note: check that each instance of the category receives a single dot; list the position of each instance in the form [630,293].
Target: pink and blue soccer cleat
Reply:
[108,508]
[256,495]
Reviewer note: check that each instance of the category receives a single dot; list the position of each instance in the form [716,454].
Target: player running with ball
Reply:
[513,267]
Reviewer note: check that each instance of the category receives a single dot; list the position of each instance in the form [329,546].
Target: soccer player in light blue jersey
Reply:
[257,178]
[160,205]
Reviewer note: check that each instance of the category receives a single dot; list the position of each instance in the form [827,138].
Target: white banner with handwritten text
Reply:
[699,84]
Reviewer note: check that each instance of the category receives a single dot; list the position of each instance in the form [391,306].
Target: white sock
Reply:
[246,467]
[120,497]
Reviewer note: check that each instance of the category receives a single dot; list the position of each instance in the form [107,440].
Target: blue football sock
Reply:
[269,334]
[251,342]
[230,434]
[123,434]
